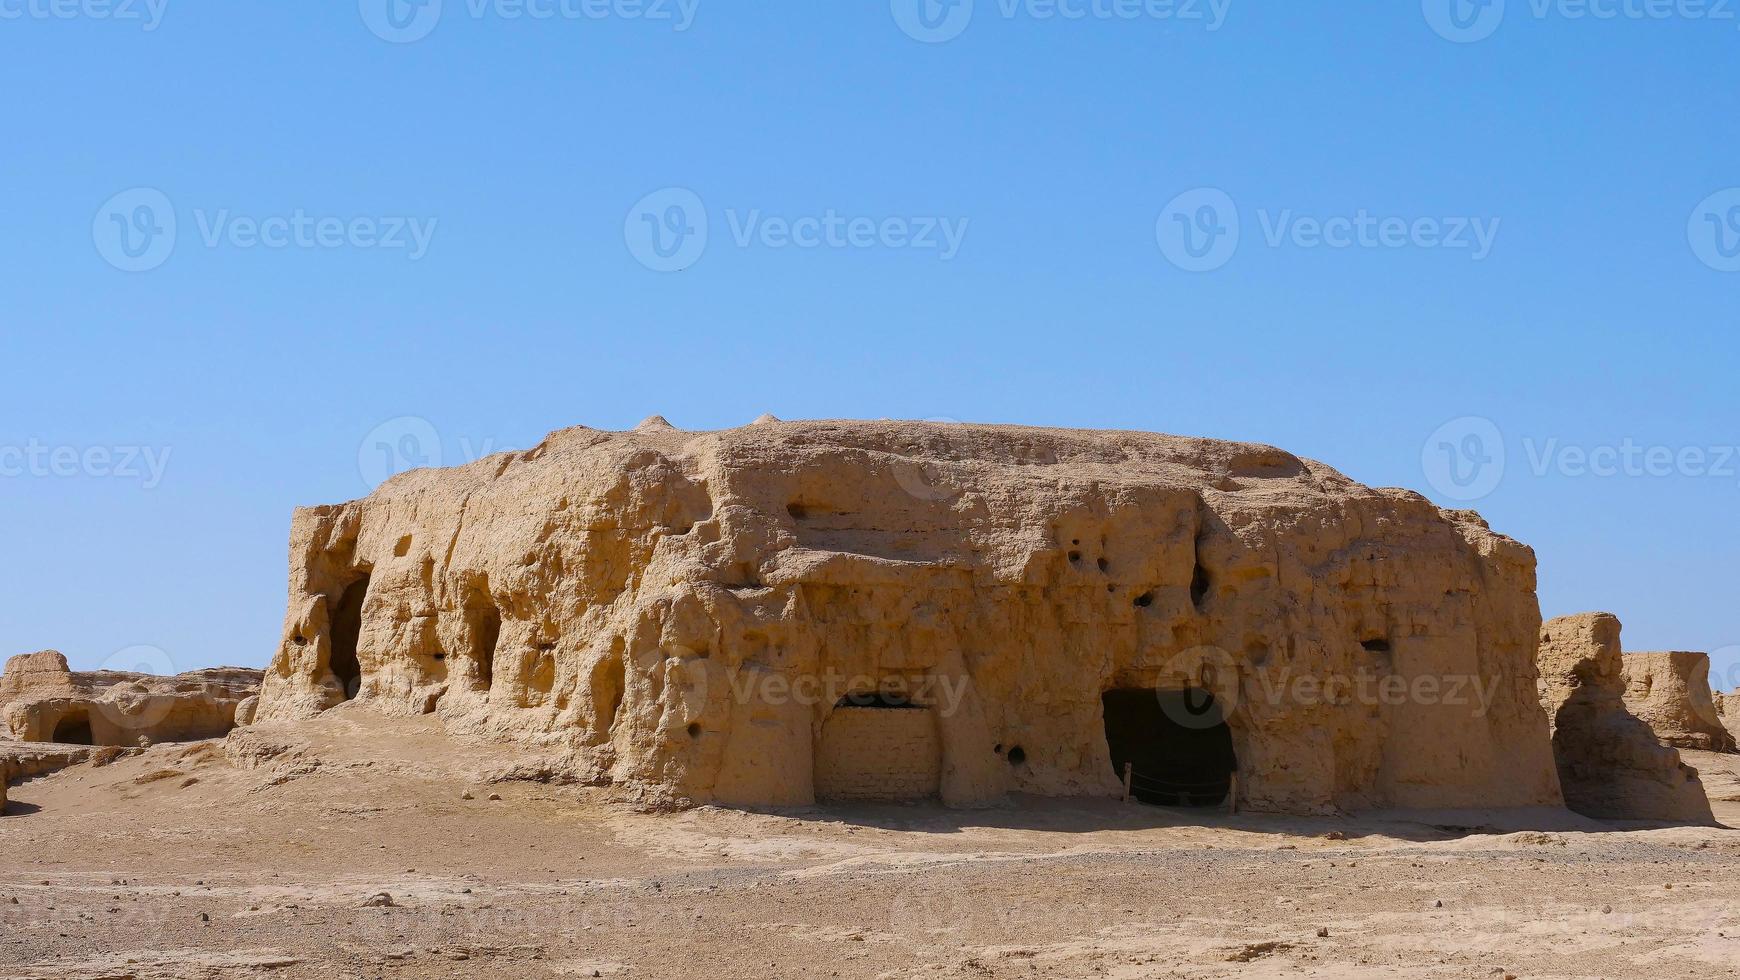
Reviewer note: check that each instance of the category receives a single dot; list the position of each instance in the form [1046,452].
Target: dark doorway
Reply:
[485,636]
[346,629]
[74,729]
[1177,744]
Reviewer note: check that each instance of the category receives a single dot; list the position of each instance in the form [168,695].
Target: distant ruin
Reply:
[1671,691]
[42,700]
[792,612]
[1611,763]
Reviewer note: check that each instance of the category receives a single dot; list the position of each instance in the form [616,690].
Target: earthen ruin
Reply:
[1611,765]
[41,700]
[792,612]
[1671,691]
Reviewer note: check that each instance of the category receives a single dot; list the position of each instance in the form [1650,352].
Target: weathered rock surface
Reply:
[1671,691]
[681,614]
[1611,764]
[41,700]
[23,760]
[1728,709]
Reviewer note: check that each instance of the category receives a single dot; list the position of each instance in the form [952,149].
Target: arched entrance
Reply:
[346,631]
[1177,744]
[74,728]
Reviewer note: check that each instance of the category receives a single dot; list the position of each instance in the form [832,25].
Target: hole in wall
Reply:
[1075,556]
[888,700]
[1017,756]
[1376,646]
[1105,566]
[346,633]
[73,729]
[484,620]
[1177,744]
[609,678]
[694,729]
[1144,600]
[403,548]
[797,511]
[1199,586]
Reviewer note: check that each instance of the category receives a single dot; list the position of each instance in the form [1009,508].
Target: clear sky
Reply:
[241,239]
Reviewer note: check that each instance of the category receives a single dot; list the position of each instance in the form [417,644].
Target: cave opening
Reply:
[346,632]
[74,729]
[485,637]
[1176,743]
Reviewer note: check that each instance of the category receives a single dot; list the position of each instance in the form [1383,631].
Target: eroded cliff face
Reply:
[684,614]
[1728,709]
[1671,691]
[1611,764]
[41,700]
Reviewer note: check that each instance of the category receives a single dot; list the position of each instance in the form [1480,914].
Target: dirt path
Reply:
[265,856]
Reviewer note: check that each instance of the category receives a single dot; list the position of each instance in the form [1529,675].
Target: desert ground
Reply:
[356,846]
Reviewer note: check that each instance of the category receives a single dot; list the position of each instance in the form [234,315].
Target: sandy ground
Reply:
[265,856]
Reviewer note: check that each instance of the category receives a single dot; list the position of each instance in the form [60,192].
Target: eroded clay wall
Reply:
[677,613]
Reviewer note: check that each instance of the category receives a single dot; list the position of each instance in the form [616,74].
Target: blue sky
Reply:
[460,217]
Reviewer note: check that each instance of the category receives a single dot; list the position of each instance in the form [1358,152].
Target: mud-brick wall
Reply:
[879,754]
